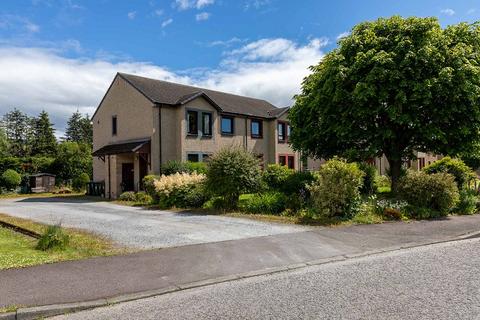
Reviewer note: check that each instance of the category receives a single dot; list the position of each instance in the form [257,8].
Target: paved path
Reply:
[137,227]
[438,282]
[105,277]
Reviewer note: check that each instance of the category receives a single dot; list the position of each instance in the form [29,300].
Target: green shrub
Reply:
[127,196]
[275,176]
[53,238]
[198,167]
[231,172]
[11,179]
[272,202]
[189,197]
[456,167]
[296,183]
[143,197]
[382,181]
[429,195]
[468,202]
[149,186]
[80,182]
[336,191]
[172,167]
[369,180]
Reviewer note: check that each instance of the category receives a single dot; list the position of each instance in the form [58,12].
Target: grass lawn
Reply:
[18,250]
[39,195]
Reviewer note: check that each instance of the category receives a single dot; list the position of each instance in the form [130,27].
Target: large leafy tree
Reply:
[72,160]
[392,87]
[79,129]
[18,130]
[43,140]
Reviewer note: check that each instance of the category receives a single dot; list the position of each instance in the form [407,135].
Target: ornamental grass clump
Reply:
[176,189]
[53,238]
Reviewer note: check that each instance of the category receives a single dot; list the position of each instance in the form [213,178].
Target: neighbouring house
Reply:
[142,123]
[42,182]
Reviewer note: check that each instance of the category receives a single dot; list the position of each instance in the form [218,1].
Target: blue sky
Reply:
[60,55]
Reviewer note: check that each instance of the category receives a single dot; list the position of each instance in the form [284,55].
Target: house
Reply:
[142,123]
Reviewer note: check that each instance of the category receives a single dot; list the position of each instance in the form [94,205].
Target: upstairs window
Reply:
[289,130]
[114,125]
[256,128]
[281,132]
[192,122]
[227,125]
[206,124]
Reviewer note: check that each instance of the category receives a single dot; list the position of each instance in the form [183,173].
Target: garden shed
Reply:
[42,182]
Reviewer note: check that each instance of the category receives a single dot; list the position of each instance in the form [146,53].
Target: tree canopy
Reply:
[79,129]
[392,87]
[44,141]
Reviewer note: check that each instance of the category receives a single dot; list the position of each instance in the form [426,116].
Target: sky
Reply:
[61,55]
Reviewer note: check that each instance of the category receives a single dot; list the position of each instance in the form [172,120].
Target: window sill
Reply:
[227,134]
[257,137]
[282,141]
[192,135]
[206,136]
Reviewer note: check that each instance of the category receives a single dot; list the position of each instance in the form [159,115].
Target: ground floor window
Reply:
[287,160]
[193,157]
[198,157]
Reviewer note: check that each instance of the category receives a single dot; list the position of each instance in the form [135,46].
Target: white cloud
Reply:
[256,4]
[190,4]
[471,11]
[131,15]
[226,43]
[202,16]
[167,22]
[448,11]
[158,12]
[203,3]
[18,23]
[343,35]
[33,79]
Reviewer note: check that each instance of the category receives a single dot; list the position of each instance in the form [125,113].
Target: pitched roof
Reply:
[164,92]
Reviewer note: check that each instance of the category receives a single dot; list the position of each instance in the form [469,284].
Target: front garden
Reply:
[340,192]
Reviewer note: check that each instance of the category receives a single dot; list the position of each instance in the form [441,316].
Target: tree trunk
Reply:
[395,172]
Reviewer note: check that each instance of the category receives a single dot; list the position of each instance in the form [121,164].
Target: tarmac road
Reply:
[439,281]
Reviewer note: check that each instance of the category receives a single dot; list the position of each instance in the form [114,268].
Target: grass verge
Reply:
[18,250]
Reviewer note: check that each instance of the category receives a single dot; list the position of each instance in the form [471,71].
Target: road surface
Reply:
[440,281]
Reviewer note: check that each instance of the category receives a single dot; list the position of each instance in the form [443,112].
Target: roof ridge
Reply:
[195,87]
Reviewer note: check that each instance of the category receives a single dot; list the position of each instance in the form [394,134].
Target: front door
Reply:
[143,167]
[127,177]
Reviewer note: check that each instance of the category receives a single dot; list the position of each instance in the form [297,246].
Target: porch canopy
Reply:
[132,146]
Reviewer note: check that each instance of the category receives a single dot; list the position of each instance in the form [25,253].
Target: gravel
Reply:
[432,282]
[139,228]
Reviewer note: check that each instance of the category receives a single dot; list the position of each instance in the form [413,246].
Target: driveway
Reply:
[139,228]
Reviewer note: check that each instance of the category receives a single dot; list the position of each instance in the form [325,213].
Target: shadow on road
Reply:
[64,199]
